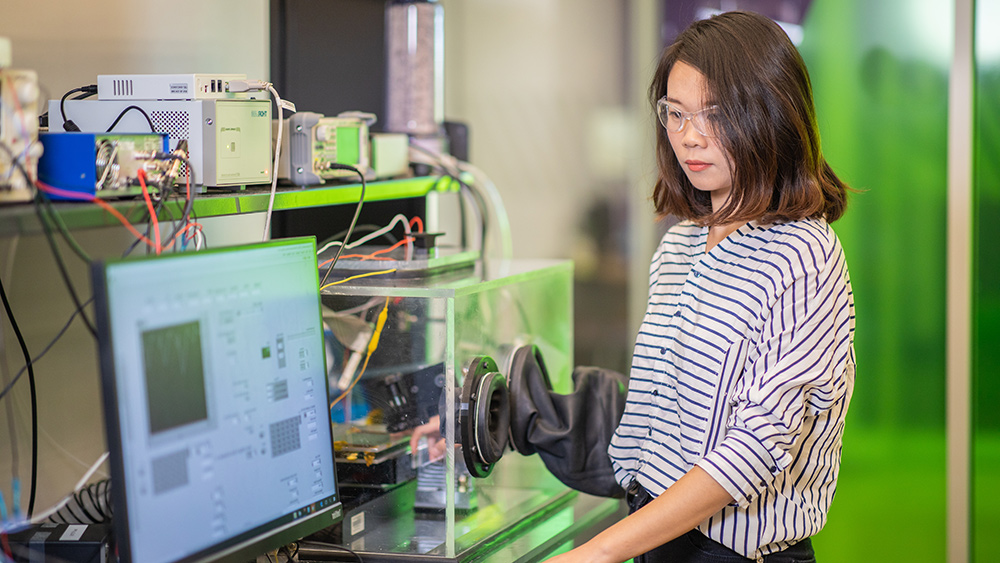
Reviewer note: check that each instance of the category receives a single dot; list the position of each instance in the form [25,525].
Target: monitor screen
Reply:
[216,399]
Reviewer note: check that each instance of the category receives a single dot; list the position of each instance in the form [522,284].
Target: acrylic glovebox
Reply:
[404,351]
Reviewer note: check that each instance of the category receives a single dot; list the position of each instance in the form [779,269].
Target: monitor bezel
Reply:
[250,543]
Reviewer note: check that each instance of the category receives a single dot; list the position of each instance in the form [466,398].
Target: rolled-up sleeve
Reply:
[797,369]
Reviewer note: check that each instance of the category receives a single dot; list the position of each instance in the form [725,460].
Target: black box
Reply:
[56,543]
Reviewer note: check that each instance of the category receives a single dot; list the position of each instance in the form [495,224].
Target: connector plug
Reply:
[236,86]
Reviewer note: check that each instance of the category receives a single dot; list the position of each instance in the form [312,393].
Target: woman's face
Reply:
[702,157]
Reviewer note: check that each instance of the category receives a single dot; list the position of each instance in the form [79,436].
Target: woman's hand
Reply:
[435,443]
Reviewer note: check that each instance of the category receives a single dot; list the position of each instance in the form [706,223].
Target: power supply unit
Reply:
[167,86]
[311,142]
[228,140]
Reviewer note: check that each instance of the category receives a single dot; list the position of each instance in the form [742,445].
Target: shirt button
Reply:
[697,274]
[663,350]
[656,393]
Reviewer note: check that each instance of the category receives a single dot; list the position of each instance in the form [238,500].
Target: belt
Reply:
[636,495]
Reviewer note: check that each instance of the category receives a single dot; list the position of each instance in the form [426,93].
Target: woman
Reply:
[744,365]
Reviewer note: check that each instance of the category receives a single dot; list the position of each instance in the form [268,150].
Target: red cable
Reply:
[375,255]
[193,225]
[87,197]
[6,545]
[152,210]
[419,222]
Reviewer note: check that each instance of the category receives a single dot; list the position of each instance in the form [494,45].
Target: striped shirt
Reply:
[744,366]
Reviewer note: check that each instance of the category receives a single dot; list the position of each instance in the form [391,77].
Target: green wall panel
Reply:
[880,80]
[986,286]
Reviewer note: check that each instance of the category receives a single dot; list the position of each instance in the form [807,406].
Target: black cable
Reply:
[357,212]
[170,218]
[68,124]
[348,550]
[61,263]
[152,129]
[44,351]
[47,228]
[204,239]
[189,197]
[15,457]
[164,195]
[149,227]
[43,94]
[34,400]
[31,372]
[63,230]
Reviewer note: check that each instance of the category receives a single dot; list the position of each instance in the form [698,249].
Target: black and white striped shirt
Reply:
[744,366]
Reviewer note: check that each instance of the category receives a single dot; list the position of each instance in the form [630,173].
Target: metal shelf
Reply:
[20,218]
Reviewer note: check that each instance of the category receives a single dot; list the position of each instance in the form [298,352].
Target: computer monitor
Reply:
[216,401]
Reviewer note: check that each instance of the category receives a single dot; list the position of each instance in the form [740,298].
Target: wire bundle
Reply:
[89,505]
[476,186]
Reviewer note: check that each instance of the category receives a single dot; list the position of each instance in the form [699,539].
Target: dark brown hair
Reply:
[766,126]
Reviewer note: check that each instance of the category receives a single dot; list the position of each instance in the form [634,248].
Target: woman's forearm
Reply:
[687,503]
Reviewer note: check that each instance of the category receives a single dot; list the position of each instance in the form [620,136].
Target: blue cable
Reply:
[3,510]
[15,486]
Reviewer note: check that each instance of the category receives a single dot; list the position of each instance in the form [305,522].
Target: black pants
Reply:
[695,547]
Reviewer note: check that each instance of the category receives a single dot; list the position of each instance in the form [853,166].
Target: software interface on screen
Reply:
[221,393]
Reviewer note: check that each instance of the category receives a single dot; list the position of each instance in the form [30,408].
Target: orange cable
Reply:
[87,197]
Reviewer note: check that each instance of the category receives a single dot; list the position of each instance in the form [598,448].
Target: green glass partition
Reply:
[880,79]
[986,286]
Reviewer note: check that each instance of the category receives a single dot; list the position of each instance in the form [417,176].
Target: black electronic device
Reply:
[406,400]
[74,543]
[216,401]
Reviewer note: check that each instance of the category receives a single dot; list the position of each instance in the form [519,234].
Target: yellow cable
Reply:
[365,275]
[372,345]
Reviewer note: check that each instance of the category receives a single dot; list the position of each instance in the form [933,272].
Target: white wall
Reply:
[541,84]
[69,44]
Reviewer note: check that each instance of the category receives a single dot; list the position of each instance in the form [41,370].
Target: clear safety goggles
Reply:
[673,119]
